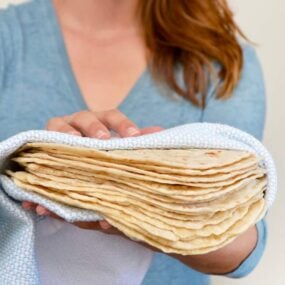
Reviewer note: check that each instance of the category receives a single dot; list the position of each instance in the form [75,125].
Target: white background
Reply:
[263,21]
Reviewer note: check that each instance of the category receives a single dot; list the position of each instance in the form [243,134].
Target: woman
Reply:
[90,67]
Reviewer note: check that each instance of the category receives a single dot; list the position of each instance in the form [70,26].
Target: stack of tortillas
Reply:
[185,201]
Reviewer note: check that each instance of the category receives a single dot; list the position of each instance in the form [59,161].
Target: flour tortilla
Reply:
[185,201]
[160,233]
[180,158]
[222,204]
[190,223]
[119,173]
[135,169]
[76,185]
[108,188]
[199,245]
[89,188]
[240,165]
[175,191]
[170,218]
[140,237]
[199,221]
[182,233]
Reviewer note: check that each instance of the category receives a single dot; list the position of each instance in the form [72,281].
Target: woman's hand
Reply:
[95,125]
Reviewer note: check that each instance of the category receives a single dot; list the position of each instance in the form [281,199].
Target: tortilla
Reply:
[129,175]
[179,158]
[183,201]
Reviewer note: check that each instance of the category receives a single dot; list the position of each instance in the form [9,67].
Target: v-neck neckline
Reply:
[67,67]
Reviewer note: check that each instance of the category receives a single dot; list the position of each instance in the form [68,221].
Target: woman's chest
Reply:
[105,68]
[26,105]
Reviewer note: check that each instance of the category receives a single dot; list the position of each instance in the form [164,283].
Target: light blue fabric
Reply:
[37,83]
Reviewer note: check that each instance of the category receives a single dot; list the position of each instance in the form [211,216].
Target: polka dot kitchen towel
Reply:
[17,232]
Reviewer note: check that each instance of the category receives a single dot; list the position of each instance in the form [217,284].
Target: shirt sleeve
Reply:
[245,110]
[252,260]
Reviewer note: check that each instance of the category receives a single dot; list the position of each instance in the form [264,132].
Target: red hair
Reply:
[191,34]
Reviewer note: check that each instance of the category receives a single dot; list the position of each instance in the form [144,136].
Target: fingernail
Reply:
[132,131]
[41,211]
[104,225]
[101,135]
[75,133]
[26,206]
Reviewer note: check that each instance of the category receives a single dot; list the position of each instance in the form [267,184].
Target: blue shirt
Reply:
[37,83]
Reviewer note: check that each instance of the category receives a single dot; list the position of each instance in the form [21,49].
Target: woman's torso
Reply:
[38,84]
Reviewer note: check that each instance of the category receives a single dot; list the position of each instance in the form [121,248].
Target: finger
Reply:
[60,125]
[42,211]
[104,225]
[106,229]
[151,130]
[113,231]
[97,227]
[145,131]
[29,205]
[88,225]
[118,122]
[89,125]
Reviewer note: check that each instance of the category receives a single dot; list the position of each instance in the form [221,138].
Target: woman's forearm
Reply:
[226,259]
